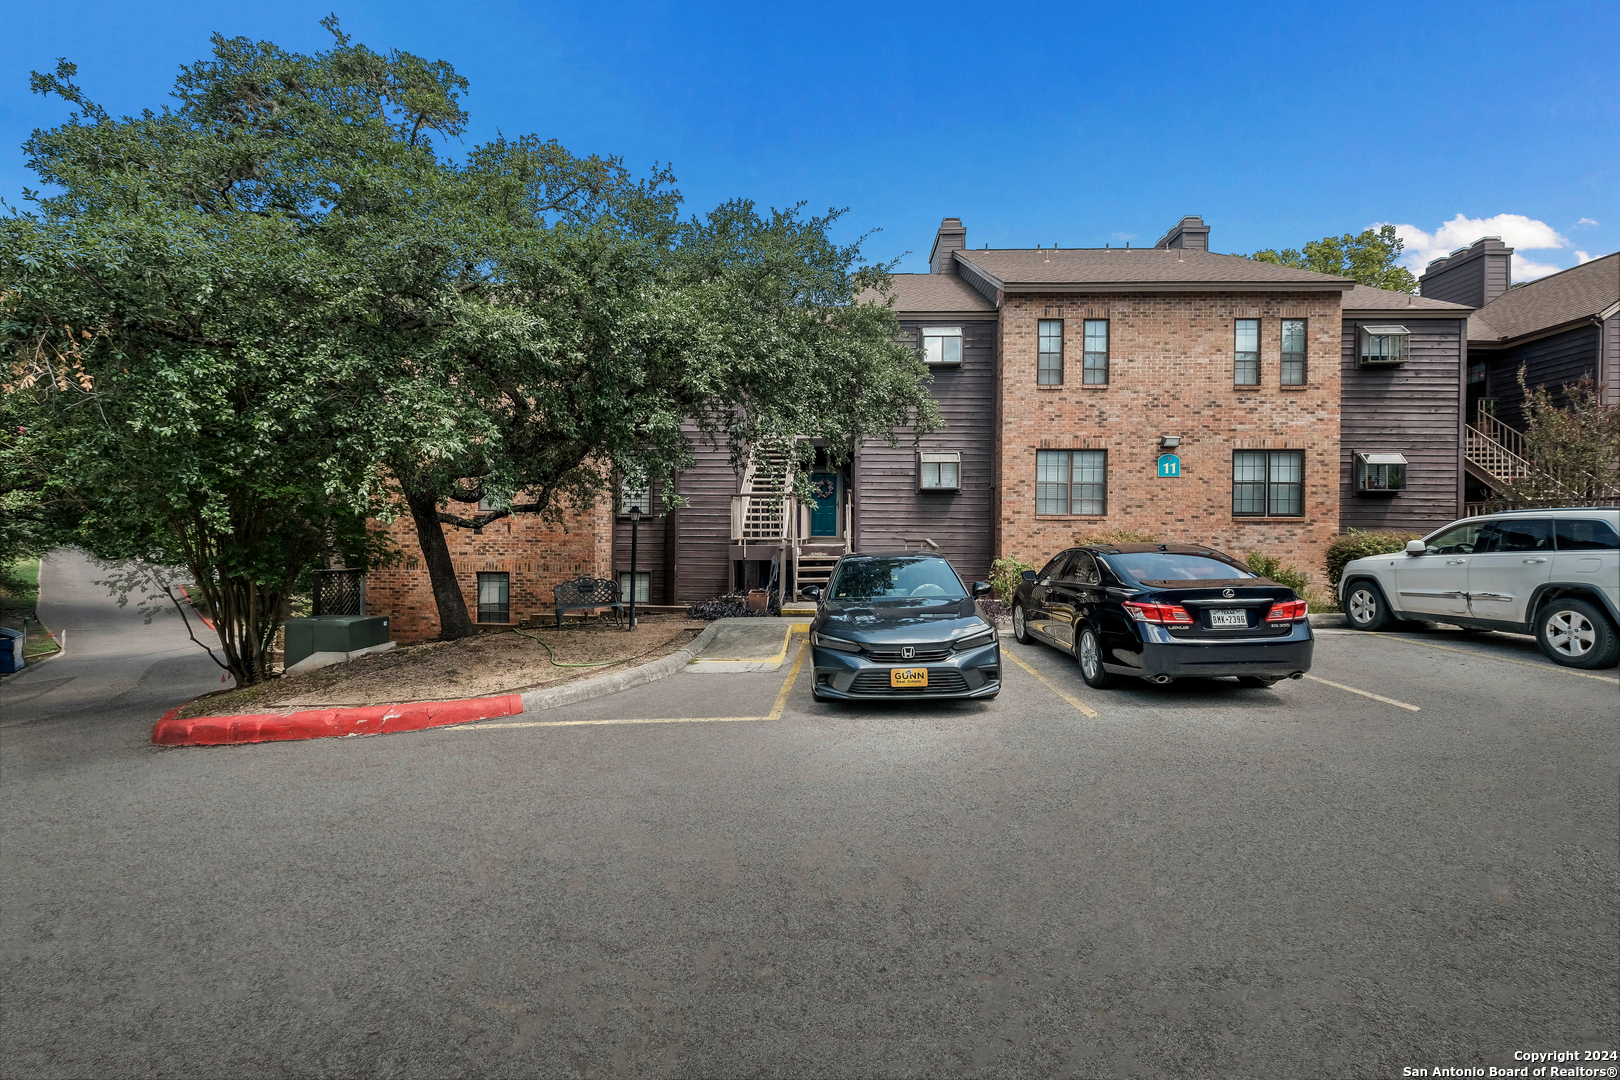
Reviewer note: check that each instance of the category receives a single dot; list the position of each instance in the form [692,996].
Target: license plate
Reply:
[908,678]
[1229,618]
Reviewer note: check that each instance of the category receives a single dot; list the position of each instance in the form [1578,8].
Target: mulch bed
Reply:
[490,663]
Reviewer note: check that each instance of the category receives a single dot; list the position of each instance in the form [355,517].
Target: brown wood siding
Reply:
[703,553]
[650,547]
[1414,409]
[891,507]
[1552,362]
[1611,359]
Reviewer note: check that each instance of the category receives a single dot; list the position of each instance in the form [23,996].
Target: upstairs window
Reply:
[494,598]
[1246,352]
[939,471]
[942,344]
[1096,358]
[1049,360]
[1384,345]
[1380,473]
[635,493]
[1293,352]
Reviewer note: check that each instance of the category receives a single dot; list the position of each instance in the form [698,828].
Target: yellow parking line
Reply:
[775,713]
[1500,659]
[1365,693]
[1049,685]
[781,654]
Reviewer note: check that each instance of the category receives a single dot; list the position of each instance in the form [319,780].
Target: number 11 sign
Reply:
[1169,465]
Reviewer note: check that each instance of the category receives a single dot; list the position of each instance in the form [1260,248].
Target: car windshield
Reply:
[893,578]
[1170,566]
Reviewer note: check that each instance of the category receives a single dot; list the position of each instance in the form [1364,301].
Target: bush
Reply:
[734,606]
[1272,569]
[1005,575]
[1116,537]
[1358,545]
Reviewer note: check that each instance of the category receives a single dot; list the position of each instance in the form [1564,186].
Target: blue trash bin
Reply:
[11,651]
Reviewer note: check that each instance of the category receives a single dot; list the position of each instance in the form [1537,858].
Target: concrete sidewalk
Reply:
[747,645]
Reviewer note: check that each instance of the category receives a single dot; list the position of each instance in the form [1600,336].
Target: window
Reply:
[1462,540]
[1268,483]
[1518,534]
[488,504]
[1096,356]
[894,577]
[1054,569]
[1049,362]
[1293,352]
[1384,344]
[635,493]
[1173,566]
[1586,534]
[1380,472]
[1084,569]
[494,598]
[1246,353]
[939,471]
[1071,482]
[942,344]
[643,587]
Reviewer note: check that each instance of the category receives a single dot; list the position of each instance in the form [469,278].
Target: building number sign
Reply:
[1169,465]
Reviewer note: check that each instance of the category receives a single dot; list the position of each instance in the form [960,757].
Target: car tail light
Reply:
[1163,614]
[1287,611]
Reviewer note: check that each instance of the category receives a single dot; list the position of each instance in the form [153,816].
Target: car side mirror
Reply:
[1028,575]
[811,592]
[1416,547]
[981,588]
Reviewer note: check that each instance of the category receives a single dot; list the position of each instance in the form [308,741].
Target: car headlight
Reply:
[976,641]
[825,642]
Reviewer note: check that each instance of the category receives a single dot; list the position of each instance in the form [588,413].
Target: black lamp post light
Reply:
[634,514]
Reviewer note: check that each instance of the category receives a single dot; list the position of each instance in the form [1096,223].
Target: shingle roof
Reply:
[1566,296]
[1367,298]
[932,292]
[1115,267]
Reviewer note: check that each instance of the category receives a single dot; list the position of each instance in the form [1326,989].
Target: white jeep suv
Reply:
[1553,573]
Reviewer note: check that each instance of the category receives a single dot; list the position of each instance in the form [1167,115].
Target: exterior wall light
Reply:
[1169,442]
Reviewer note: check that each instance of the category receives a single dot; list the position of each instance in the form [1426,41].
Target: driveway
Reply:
[713,875]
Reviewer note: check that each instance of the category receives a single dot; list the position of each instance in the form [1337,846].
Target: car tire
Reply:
[1365,607]
[1576,634]
[1088,654]
[1259,682]
[1020,628]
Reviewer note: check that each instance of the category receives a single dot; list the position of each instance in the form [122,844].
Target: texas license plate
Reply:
[1229,618]
[908,678]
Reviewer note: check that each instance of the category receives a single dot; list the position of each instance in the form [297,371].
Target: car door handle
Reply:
[1535,560]
[1453,562]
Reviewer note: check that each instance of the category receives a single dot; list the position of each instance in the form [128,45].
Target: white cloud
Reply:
[1516,230]
[1582,257]
[1585,221]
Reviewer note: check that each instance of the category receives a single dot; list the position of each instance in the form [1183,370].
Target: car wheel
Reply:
[1020,629]
[1258,681]
[1364,606]
[1088,654]
[1576,634]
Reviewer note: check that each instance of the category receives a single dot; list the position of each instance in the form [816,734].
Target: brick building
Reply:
[519,557]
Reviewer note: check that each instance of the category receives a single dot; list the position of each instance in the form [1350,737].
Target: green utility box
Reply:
[333,633]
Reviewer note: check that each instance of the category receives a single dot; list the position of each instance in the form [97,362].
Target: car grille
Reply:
[922,656]
[940,681]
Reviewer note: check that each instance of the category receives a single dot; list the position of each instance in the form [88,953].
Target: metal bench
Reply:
[588,593]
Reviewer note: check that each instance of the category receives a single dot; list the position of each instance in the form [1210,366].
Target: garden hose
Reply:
[558,663]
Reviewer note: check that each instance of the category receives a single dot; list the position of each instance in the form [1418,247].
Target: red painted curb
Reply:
[327,723]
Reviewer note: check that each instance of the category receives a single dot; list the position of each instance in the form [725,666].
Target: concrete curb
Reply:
[60,637]
[327,723]
[1330,619]
[602,685]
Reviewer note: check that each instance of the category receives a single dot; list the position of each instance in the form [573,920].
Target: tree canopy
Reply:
[242,324]
[1370,257]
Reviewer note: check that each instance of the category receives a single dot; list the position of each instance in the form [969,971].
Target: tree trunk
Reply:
[454,622]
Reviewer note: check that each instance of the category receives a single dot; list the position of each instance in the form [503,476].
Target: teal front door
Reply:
[824,518]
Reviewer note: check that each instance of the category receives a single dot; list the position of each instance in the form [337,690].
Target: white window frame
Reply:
[641,493]
[1395,346]
[643,586]
[939,460]
[942,346]
[1381,461]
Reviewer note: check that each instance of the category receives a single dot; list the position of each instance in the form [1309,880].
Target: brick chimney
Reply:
[1474,275]
[1190,233]
[952,236]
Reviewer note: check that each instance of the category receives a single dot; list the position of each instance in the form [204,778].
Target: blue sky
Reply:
[1074,124]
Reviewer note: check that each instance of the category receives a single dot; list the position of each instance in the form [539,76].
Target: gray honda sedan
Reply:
[898,627]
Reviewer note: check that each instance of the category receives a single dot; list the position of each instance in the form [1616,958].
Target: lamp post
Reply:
[634,513]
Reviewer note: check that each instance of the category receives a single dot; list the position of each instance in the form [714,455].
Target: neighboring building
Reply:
[506,569]
[1558,329]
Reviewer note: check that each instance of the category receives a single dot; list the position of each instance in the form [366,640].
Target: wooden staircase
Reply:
[1494,452]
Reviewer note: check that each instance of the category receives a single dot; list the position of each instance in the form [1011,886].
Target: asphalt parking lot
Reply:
[1408,860]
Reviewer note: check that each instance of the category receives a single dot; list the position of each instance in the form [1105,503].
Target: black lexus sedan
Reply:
[1162,612]
[898,627]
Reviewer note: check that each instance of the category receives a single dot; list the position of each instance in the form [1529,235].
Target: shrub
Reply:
[1116,537]
[734,606]
[1005,575]
[1358,545]
[1272,569]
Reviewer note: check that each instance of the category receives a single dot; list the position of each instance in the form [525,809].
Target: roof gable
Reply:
[1581,292]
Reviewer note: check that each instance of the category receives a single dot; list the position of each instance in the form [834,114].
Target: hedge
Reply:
[1358,545]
